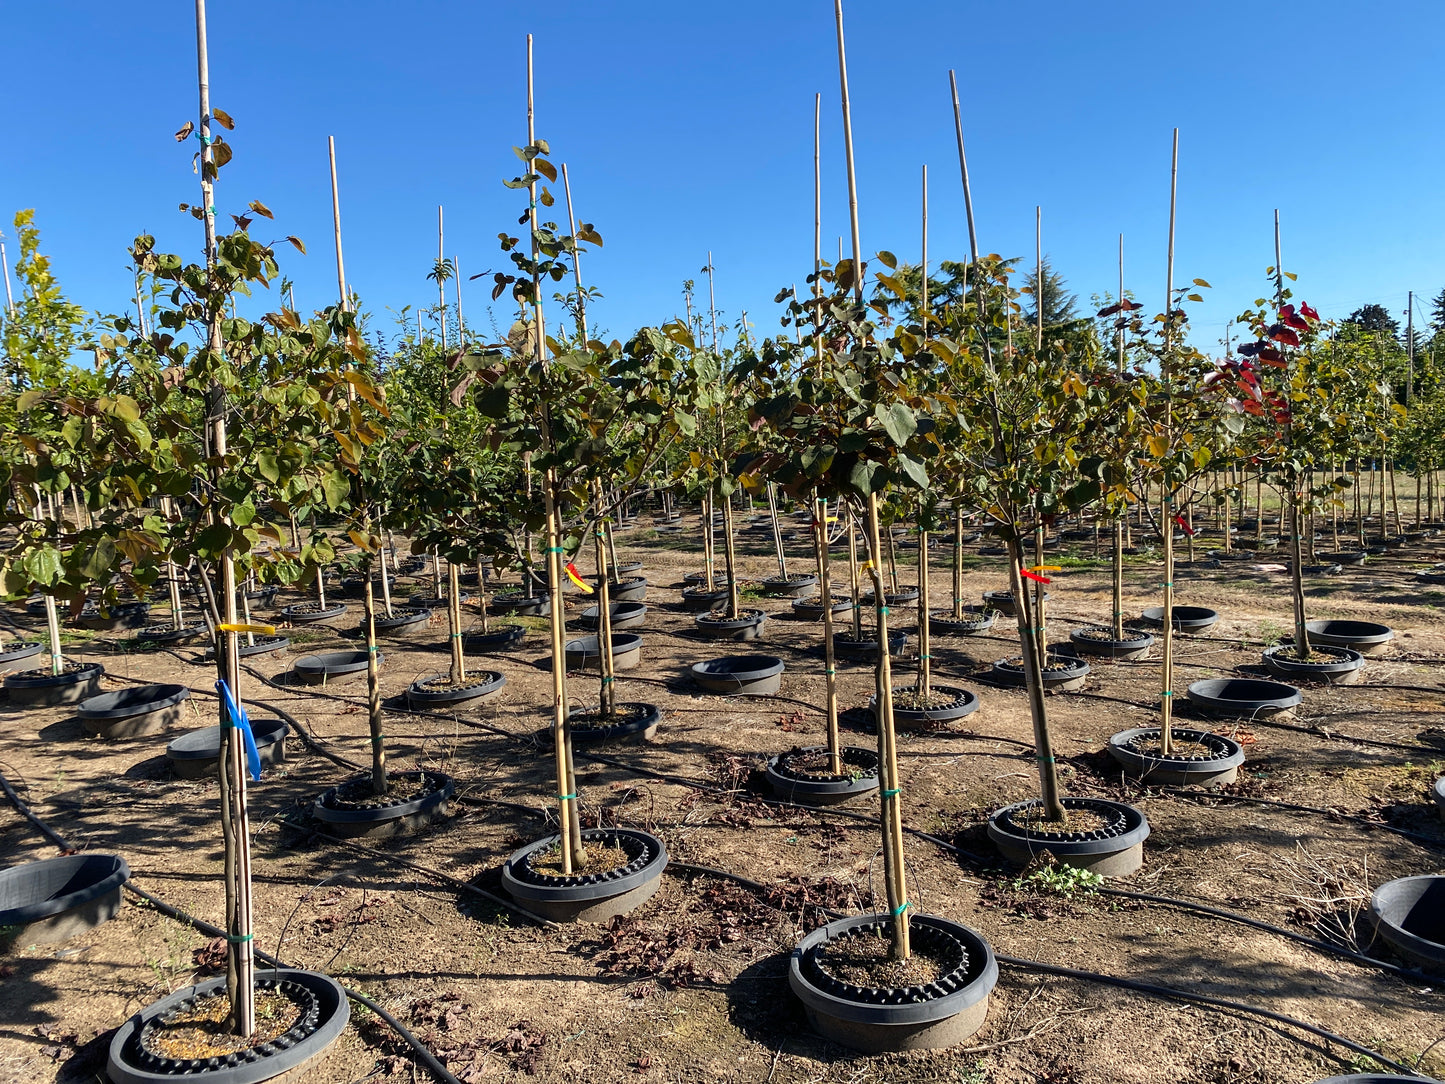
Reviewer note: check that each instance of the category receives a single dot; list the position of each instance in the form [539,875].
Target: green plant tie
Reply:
[1169,584]
[555,549]
[905,905]
[376,739]
[372,649]
[608,680]
[240,938]
[882,611]
[893,792]
[566,797]
[830,672]
[454,635]
[922,657]
[1167,692]
[205,139]
[1045,760]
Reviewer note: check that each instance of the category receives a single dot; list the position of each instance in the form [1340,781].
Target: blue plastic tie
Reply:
[905,905]
[236,715]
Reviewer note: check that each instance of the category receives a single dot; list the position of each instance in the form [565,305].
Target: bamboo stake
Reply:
[1117,588]
[461,323]
[727,508]
[441,282]
[925,656]
[240,959]
[1040,603]
[336,229]
[820,506]
[1166,694]
[568,824]
[890,791]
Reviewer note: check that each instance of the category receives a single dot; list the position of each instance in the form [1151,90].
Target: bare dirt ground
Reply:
[692,987]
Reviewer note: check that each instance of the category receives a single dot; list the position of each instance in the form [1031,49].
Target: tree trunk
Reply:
[1034,681]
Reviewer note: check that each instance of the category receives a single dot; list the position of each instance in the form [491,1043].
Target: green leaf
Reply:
[336,488]
[897,421]
[269,466]
[915,470]
[100,559]
[44,566]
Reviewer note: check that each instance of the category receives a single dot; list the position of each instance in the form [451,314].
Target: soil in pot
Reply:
[857,996]
[1335,665]
[1102,836]
[169,634]
[438,689]
[1061,673]
[307,612]
[867,648]
[263,645]
[797,585]
[1197,758]
[973,621]
[811,609]
[942,705]
[802,774]
[717,625]
[41,689]
[15,655]
[699,598]
[601,890]
[412,800]
[516,602]
[635,721]
[501,638]
[1099,640]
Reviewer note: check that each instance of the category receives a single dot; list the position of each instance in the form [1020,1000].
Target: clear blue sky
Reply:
[688,127]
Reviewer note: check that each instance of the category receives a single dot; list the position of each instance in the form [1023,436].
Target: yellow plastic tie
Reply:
[264,630]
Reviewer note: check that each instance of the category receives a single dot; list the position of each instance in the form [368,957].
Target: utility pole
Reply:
[1410,350]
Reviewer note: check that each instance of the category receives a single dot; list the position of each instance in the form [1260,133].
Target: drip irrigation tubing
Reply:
[1119,982]
[1333,813]
[425,1056]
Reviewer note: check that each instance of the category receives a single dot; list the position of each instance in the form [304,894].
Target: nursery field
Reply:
[1331,800]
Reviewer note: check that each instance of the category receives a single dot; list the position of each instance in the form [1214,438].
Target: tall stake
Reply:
[568,824]
[1166,694]
[240,959]
[441,280]
[1116,622]
[461,323]
[1296,526]
[890,790]
[1040,603]
[925,656]
[336,228]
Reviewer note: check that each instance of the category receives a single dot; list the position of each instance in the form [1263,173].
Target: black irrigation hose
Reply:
[1134,985]
[433,1066]
[425,1056]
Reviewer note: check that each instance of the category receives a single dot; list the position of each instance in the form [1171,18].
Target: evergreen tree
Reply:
[1374,318]
[1060,306]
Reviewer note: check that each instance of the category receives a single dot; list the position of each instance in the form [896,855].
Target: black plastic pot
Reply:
[1439,791]
[1377,1078]
[1243,698]
[501,638]
[437,691]
[307,612]
[939,1014]
[1350,557]
[13,658]
[264,645]
[1409,916]
[56,898]
[132,712]
[169,634]
[798,585]
[859,776]
[739,675]
[963,703]
[975,620]
[1065,675]
[515,602]
[423,798]
[1215,769]
[1190,620]
[719,579]
[629,721]
[892,599]
[622,569]
[1335,665]
[867,648]
[436,602]
[586,653]
[1431,575]
[700,598]
[1366,637]
[624,615]
[631,589]
[264,596]
[324,1018]
[42,689]
[748,625]
[588,897]
[400,619]
[811,609]
[1135,645]
[1003,601]
[332,666]
[125,615]
[355,586]
[1114,850]
[196,753]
